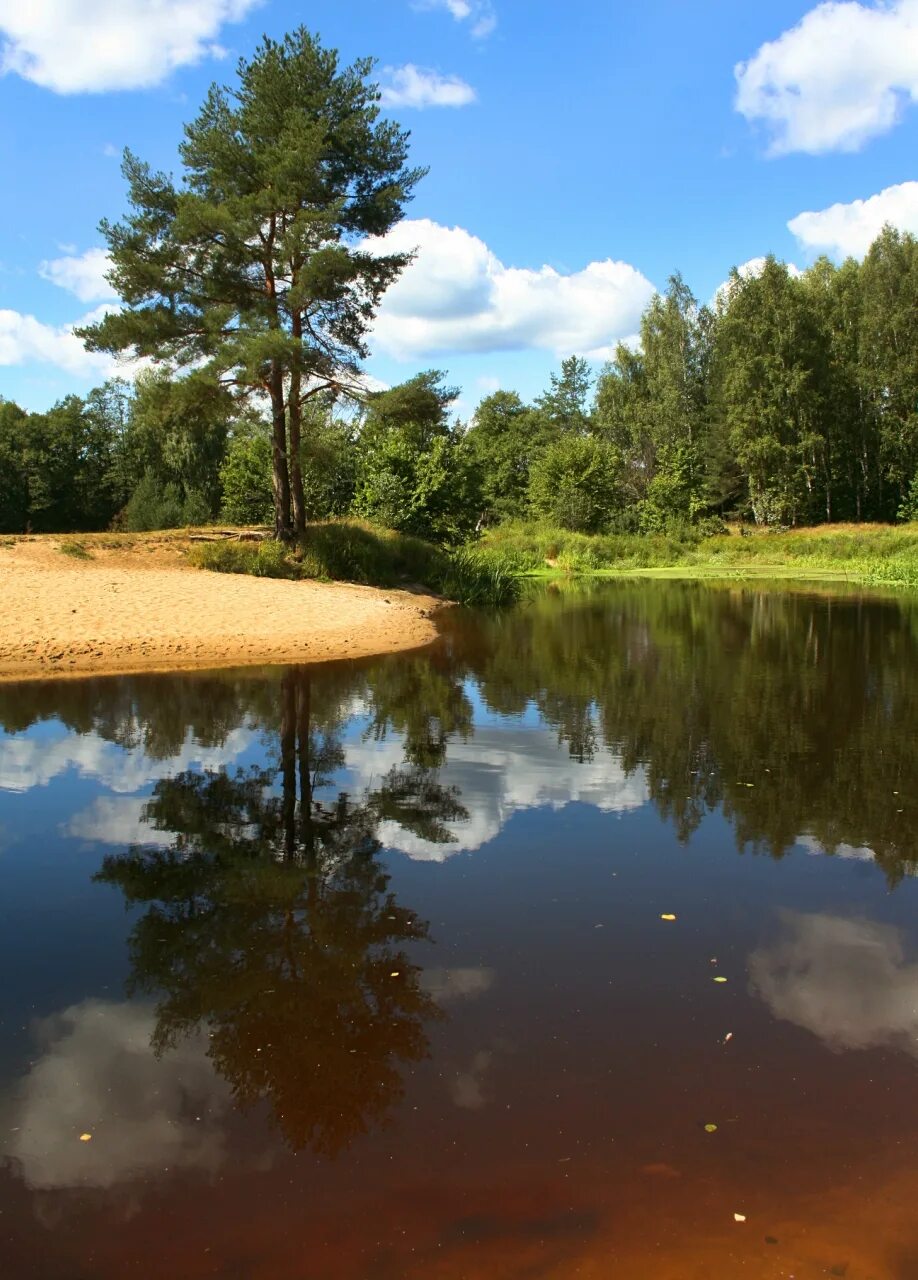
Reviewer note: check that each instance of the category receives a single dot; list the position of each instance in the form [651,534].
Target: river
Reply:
[583,943]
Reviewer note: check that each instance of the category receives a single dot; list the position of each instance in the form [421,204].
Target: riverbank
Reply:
[100,603]
[880,555]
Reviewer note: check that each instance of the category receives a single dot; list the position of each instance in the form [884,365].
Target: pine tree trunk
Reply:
[280,475]
[296,419]
[296,470]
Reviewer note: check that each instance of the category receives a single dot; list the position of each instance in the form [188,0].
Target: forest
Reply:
[790,398]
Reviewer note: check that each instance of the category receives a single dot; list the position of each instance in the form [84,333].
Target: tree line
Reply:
[789,399]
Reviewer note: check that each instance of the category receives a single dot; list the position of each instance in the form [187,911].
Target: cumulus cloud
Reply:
[840,77]
[26,340]
[845,980]
[97,1073]
[411,86]
[848,230]
[479,14]
[458,296]
[81,274]
[70,46]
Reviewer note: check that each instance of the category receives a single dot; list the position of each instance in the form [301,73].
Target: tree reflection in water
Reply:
[269,924]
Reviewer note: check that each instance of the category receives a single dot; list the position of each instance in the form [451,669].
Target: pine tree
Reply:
[251,270]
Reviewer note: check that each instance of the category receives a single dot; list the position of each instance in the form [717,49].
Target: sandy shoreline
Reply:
[142,609]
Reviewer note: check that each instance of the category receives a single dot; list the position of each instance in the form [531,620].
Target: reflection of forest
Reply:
[794,713]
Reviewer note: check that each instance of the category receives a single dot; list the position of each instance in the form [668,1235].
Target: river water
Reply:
[581,944]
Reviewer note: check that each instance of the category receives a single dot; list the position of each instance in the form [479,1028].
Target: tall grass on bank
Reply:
[885,554]
[356,551]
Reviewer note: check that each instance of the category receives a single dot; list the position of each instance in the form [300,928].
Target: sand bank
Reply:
[139,608]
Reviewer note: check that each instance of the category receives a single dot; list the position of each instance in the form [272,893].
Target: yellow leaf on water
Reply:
[85,1137]
[667,915]
[710,1128]
[719,979]
[739,1217]
[395,974]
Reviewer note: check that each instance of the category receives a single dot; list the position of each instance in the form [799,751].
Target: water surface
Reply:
[361,971]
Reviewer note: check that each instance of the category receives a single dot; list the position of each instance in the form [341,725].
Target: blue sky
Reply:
[578,154]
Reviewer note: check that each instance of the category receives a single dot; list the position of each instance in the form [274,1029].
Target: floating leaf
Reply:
[720,979]
[667,915]
[395,974]
[710,1128]
[728,1037]
[85,1137]
[739,1217]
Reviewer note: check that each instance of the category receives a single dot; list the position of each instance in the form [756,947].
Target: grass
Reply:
[76,550]
[881,554]
[356,551]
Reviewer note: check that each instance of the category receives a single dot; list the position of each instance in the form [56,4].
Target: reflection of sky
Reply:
[97,1074]
[35,759]
[507,766]
[845,979]
[502,770]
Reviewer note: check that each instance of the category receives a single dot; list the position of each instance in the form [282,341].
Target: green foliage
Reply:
[177,432]
[245,479]
[577,483]
[502,442]
[908,509]
[415,474]
[564,404]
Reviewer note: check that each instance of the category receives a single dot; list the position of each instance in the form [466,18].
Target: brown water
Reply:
[360,971]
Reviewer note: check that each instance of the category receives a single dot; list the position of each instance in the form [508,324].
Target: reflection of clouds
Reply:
[27,761]
[116,820]
[859,853]
[467,1088]
[845,980]
[98,1074]
[499,772]
[446,985]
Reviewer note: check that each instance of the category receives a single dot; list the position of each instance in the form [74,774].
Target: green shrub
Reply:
[576,483]
[153,506]
[76,550]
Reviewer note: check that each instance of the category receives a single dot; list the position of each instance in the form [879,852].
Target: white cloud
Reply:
[848,230]
[76,46]
[838,78]
[98,1074]
[412,86]
[845,980]
[25,340]
[458,296]
[81,274]
[479,14]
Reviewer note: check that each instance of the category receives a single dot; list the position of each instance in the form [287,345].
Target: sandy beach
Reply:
[141,608]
